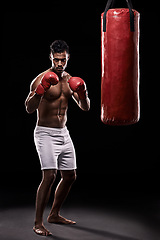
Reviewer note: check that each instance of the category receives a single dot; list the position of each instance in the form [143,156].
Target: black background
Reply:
[109,158]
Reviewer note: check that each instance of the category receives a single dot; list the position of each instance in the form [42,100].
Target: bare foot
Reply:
[58,219]
[41,230]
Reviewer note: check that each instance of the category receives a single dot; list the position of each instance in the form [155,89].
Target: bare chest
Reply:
[61,90]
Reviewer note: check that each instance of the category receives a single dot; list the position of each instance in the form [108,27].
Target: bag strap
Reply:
[130,6]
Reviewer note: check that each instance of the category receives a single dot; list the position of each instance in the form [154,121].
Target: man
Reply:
[49,95]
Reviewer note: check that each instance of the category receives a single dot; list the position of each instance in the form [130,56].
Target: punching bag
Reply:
[120,103]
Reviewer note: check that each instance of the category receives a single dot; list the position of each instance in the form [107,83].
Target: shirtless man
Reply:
[49,94]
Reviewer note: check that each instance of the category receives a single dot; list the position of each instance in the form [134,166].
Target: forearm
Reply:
[32,103]
[84,104]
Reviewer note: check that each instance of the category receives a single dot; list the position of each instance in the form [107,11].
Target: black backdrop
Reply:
[123,158]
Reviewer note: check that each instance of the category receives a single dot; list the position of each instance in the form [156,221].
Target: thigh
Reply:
[67,158]
[47,151]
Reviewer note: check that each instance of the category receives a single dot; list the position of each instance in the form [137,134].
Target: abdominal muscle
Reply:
[52,114]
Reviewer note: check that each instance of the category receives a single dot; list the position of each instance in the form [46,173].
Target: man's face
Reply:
[59,61]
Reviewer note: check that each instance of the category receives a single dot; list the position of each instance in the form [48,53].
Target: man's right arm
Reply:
[38,87]
[33,100]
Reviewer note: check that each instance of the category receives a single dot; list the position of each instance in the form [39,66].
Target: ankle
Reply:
[54,213]
[38,223]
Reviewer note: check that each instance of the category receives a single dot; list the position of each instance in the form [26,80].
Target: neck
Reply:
[59,74]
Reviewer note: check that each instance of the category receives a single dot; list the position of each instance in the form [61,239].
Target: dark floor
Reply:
[94,222]
[117,211]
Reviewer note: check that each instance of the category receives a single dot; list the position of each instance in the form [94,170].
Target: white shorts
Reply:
[55,148]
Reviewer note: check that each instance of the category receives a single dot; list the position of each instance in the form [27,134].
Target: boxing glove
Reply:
[78,85]
[50,78]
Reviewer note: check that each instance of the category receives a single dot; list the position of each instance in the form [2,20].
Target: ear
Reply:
[51,56]
[68,56]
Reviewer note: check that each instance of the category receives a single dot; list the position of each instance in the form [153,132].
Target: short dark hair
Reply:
[59,46]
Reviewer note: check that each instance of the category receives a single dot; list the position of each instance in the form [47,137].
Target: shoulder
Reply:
[36,81]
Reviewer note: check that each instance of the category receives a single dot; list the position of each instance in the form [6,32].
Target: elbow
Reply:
[28,110]
[86,109]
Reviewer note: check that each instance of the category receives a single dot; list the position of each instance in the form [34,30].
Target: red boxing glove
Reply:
[78,85]
[50,78]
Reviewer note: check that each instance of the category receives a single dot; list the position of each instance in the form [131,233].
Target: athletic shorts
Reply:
[55,148]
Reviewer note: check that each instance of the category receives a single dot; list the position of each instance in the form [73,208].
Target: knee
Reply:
[49,176]
[73,177]
[69,177]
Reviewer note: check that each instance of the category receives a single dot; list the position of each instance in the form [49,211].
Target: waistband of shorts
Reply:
[53,130]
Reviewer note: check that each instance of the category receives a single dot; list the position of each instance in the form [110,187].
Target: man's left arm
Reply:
[84,104]
[80,94]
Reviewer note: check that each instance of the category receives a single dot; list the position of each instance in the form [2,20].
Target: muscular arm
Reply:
[33,100]
[80,94]
[41,84]
[84,104]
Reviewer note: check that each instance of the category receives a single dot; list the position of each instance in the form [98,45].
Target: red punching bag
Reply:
[120,65]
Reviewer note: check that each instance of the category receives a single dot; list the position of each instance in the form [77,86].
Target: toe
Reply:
[48,233]
[38,231]
[42,232]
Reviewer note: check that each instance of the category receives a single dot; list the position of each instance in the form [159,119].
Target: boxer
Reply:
[49,95]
